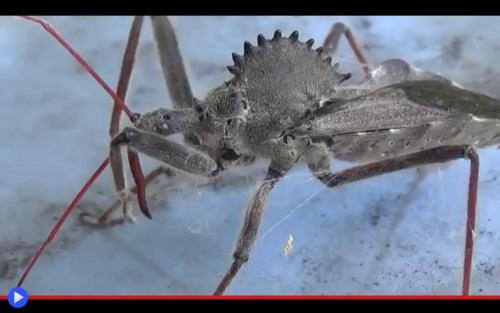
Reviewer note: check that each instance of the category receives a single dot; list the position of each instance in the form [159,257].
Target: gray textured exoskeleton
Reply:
[287,103]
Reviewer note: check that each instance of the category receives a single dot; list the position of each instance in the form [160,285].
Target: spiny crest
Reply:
[289,44]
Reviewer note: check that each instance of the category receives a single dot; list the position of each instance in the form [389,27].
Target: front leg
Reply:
[161,121]
[171,153]
[174,155]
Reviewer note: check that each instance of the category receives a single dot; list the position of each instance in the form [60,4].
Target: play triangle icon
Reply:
[17,297]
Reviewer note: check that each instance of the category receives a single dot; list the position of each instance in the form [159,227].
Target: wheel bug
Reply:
[316,115]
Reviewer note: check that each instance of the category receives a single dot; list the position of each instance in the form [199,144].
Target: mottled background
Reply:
[387,235]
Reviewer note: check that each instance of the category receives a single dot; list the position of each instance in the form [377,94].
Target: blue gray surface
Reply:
[387,235]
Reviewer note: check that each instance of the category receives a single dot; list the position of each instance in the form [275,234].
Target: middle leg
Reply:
[253,218]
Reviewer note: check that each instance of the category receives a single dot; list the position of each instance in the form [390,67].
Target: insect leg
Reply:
[436,155]
[167,151]
[116,160]
[104,218]
[331,43]
[251,223]
[171,62]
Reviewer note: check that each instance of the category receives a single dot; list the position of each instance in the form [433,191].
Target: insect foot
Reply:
[126,197]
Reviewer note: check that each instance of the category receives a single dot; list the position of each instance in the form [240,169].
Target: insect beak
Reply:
[135,167]
[145,211]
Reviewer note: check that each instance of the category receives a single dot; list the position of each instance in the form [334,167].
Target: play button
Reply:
[18,297]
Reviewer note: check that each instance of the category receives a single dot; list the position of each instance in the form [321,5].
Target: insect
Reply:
[286,102]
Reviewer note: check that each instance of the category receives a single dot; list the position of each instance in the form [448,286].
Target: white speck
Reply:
[288,245]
